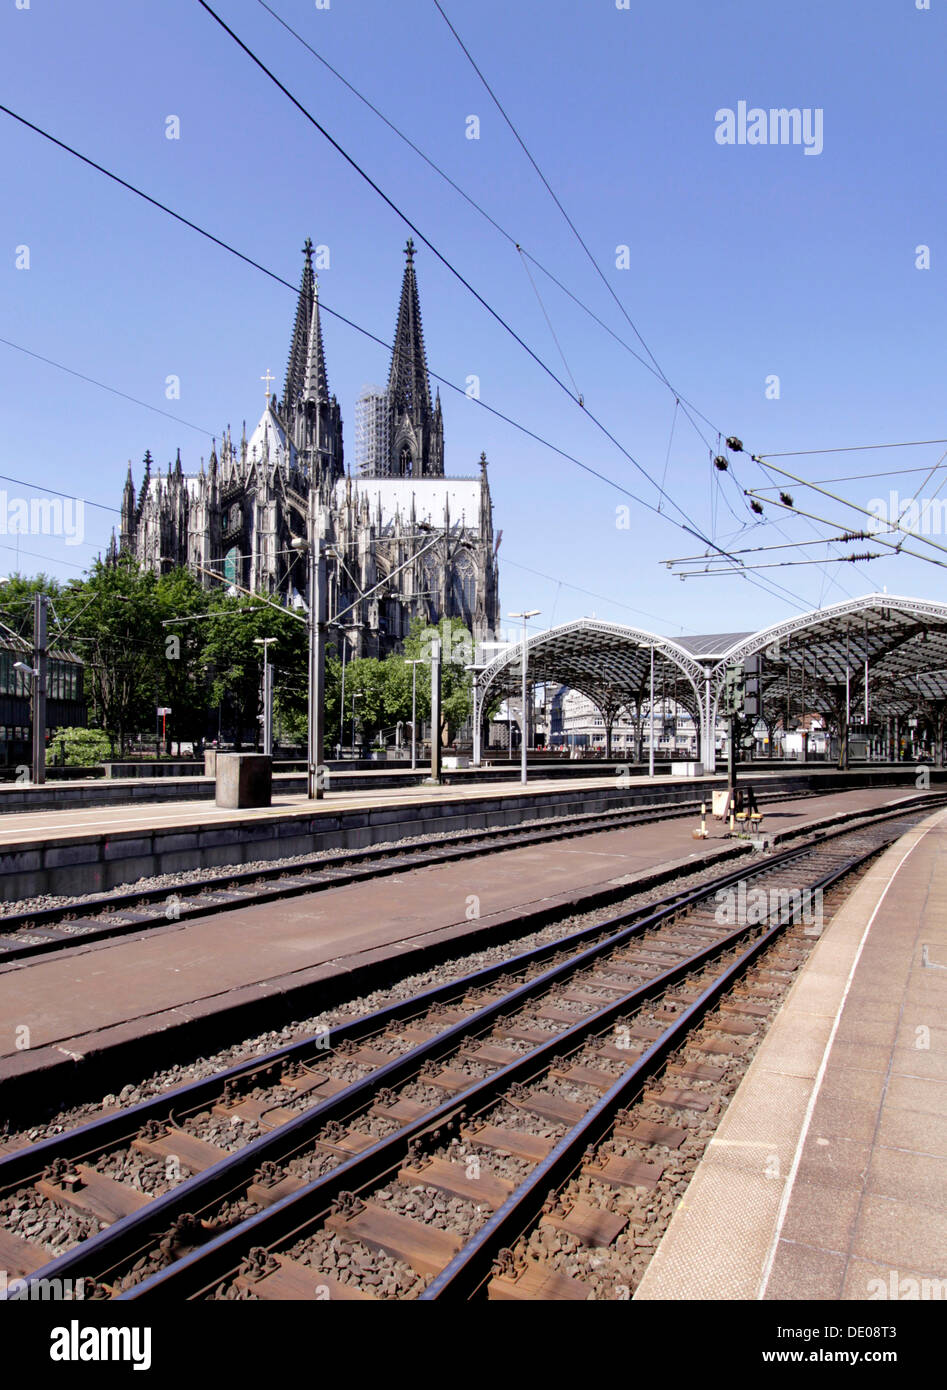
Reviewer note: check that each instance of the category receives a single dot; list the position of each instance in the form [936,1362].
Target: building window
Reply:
[464,586]
[232,565]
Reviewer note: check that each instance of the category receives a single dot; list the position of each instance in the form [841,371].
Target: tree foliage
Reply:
[77,747]
[150,641]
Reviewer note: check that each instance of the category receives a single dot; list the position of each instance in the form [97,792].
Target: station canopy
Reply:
[816,662]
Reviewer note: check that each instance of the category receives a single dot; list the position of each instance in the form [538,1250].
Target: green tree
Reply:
[16,602]
[365,687]
[233,662]
[457,652]
[110,619]
[180,679]
[77,747]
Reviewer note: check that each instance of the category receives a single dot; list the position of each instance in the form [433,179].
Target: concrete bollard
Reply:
[244,780]
[210,763]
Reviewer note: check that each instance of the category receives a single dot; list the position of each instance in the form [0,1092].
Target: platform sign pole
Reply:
[848,711]
[267,707]
[866,693]
[475,694]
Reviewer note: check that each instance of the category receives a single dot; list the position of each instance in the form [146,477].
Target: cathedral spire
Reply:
[128,509]
[415,430]
[408,380]
[315,385]
[298,349]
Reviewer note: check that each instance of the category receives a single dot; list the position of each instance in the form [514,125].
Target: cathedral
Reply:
[403,539]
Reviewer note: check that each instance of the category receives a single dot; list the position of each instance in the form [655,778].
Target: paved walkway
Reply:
[827,1178]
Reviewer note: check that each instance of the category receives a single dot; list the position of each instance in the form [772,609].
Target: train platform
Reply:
[94,849]
[827,1177]
[27,826]
[85,999]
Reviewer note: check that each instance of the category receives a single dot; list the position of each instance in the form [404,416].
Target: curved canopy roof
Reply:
[807,660]
[903,640]
[608,662]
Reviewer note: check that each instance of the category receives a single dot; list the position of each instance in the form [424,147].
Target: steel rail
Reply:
[206,1266]
[465,1274]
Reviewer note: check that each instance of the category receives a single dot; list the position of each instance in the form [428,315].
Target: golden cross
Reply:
[268,378]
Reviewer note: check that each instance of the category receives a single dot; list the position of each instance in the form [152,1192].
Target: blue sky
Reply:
[745,262]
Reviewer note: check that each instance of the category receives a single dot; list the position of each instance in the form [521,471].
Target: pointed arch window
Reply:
[463,586]
[232,565]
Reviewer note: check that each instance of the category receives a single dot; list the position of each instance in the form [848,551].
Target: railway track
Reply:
[420,1138]
[39,930]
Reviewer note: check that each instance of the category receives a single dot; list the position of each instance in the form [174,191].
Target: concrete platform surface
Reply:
[37,826]
[827,1177]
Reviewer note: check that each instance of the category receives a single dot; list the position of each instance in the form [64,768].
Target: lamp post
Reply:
[315,545]
[345,647]
[264,642]
[530,613]
[356,695]
[414,726]
[37,674]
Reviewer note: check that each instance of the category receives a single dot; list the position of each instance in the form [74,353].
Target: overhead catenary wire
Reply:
[552,330]
[851,449]
[877,537]
[323,305]
[786,564]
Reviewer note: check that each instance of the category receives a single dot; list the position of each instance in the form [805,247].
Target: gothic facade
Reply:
[404,539]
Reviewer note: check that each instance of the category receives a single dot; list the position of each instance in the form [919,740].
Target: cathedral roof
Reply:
[269,440]
[430,496]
